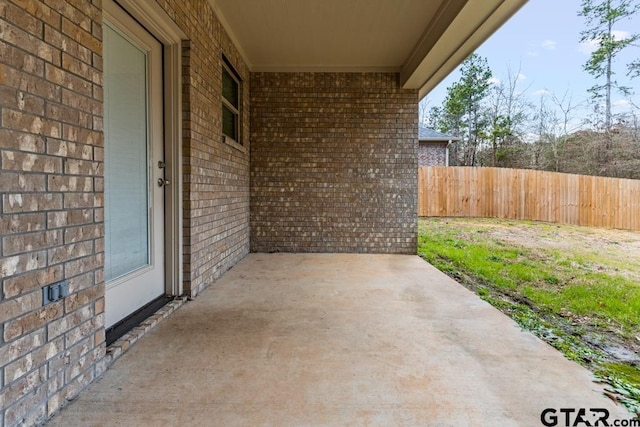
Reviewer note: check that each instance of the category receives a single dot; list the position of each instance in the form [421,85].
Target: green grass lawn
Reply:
[576,287]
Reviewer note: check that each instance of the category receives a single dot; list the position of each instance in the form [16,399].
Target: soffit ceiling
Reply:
[421,39]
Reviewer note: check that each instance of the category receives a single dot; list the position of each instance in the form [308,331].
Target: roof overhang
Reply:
[423,40]
[453,138]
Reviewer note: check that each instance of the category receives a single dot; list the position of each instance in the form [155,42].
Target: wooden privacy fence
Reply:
[529,194]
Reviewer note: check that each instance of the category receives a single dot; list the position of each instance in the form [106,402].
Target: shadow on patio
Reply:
[328,339]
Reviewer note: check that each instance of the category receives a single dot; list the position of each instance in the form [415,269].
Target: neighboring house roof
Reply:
[426,134]
[422,40]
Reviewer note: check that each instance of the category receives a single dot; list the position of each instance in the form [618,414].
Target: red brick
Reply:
[81,282]
[78,234]
[51,86]
[83,103]
[65,183]
[17,120]
[69,218]
[22,223]
[29,83]
[23,365]
[79,68]
[432,154]
[83,331]
[321,178]
[71,47]
[83,265]
[31,202]
[82,200]
[99,306]
[18,37]
[17,264]
[62,113]
[69,252]
[17,16]
[80,35]
[22,101]
[83,365]
[29,410]
[67,80]
[31,242]
[82,167]
[18,348]
[84,297]
[32,281]
[28,322]
[30,162]
[14,140]
[60,326]
[11,182]
[76,13]
[24,386]
[40,10]
[68,149]
[16,306]
[51,114]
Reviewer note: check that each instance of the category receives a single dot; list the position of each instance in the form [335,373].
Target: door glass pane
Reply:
[126,156]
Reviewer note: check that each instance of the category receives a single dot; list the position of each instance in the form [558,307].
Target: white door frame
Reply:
[151,16]
[140,278]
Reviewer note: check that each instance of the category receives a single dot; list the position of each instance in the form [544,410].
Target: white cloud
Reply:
[620,34]
[589,46]
[621,103]
[549,44]
[494,81]
[541,92]
[520,77]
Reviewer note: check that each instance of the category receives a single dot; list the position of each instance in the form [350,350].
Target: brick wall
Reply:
[216,174]
[432,154]
[334,170]
[51,147]
[51,190]
[333,163]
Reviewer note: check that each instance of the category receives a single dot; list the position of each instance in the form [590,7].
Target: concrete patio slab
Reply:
[336,339]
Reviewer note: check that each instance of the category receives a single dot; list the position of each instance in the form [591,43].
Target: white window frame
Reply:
[236,111]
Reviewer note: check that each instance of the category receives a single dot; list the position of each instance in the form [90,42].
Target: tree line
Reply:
[498,126]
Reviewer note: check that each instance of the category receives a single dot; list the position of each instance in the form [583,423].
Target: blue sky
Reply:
[542,41]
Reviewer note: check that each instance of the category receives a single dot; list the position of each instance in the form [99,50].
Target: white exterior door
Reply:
[133,168]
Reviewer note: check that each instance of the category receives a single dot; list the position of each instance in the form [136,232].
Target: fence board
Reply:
[529,194]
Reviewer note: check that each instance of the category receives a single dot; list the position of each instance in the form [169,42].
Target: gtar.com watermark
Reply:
[585,417]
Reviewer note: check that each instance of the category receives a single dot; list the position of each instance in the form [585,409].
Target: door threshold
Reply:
[134,319]
[117,348]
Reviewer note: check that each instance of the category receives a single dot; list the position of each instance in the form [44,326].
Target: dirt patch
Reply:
[596,271]
[603,249]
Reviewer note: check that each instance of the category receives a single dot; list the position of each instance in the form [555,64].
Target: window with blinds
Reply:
[230,103]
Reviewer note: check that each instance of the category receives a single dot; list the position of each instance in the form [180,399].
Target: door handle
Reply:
[163,182]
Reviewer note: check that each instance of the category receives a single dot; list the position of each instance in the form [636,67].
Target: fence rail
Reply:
[529,194]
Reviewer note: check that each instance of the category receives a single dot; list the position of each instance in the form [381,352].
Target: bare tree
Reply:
[509,112]
[545,122]
[566,124]
[423,110]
